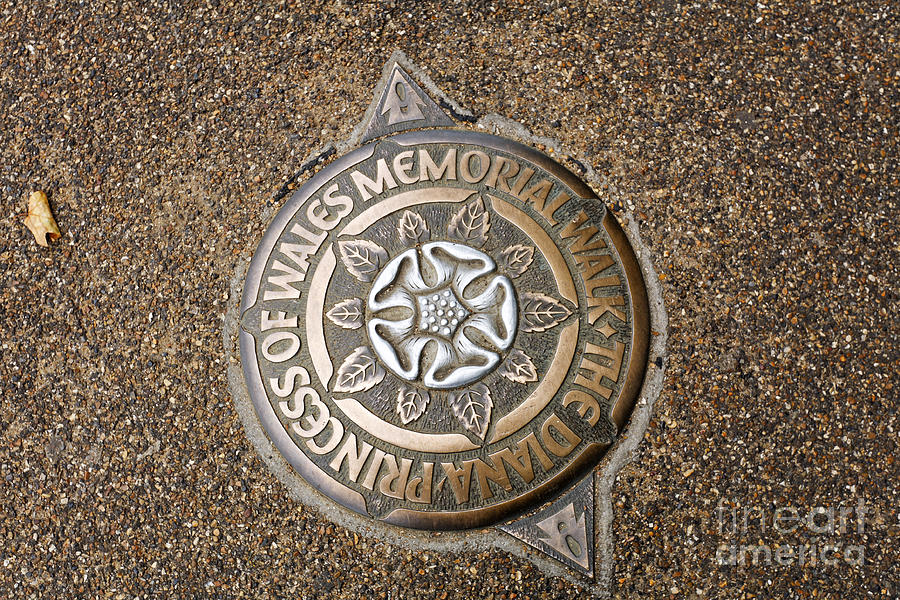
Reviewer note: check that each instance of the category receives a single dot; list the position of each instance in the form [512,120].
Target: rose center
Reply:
[440,312]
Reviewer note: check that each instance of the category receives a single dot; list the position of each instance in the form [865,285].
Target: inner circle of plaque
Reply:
[449,365]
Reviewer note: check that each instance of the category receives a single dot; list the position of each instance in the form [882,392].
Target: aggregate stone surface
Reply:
[756,144]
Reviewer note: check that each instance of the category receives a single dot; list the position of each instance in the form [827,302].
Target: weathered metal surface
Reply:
[564,529]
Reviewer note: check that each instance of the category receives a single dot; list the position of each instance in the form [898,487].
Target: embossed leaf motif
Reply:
[516,259]
[472,406]
[362,258]
[359,372]
[518,367]
[347,313]
[540,312]
[471,223]
[411,403]
[412,228]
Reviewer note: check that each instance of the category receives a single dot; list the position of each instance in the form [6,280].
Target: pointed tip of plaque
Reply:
[564,530]
[401,103]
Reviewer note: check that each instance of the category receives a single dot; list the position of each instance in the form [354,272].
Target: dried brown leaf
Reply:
[40,220]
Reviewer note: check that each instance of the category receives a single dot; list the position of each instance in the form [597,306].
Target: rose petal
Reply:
[472,359]
[407,350]
[441,257]
[400,275]
[499,313]
[443,356]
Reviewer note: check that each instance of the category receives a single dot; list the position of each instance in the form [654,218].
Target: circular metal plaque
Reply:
[443,329]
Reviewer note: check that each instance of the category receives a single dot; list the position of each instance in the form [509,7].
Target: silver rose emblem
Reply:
[442,315]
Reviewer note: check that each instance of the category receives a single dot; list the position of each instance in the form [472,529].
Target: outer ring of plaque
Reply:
[465,519]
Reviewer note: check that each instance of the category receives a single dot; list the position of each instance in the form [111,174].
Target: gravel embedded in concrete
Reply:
[756,144]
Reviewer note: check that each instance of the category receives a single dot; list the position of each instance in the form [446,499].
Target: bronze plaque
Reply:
[442,329]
